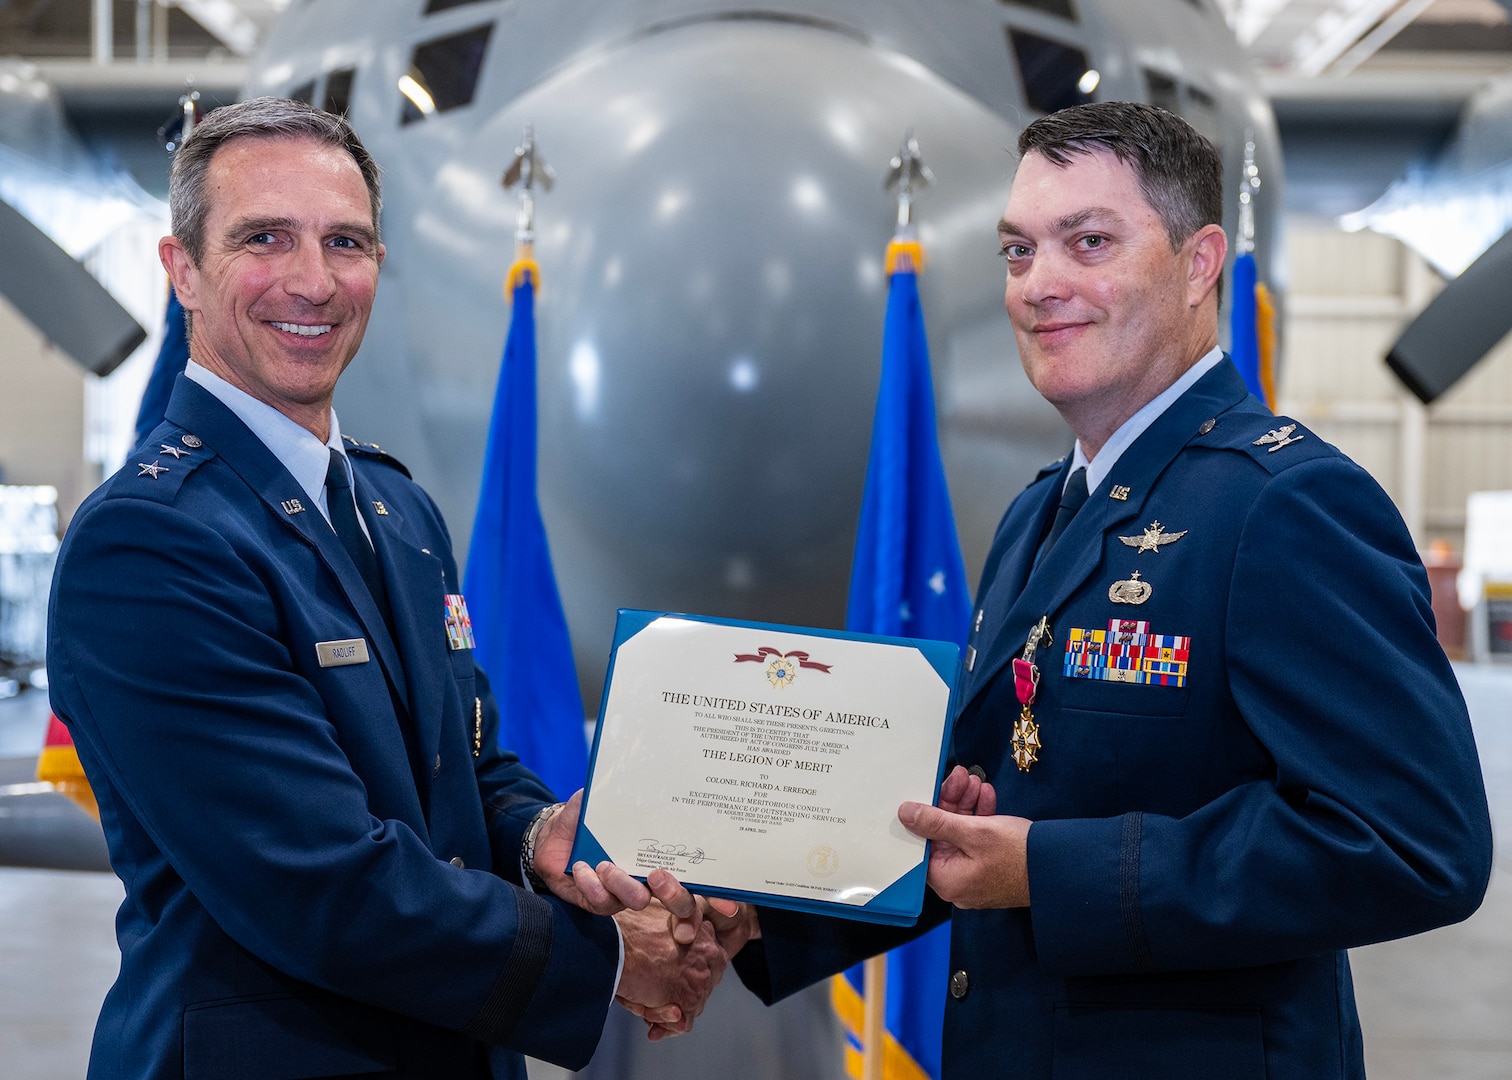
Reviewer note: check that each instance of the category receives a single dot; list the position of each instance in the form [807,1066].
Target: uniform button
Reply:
[436,768]
[1207,426]
[978,772]
[959,984]
[460,865]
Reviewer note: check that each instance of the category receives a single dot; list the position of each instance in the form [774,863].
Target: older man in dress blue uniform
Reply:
[1209,739]
[259,644]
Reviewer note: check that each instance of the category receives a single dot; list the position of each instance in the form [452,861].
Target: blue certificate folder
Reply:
[704,828]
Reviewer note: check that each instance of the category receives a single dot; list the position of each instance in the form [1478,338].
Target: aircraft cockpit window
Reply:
[304,92]
[1164,91]
[1062,8]
[433,6]
[444,73]
[1203,114]
[1054,75]
[338,90]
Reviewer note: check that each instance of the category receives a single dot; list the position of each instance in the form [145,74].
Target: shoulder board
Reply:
[373,452]
[1048,468]
[1274,442]
[158,468]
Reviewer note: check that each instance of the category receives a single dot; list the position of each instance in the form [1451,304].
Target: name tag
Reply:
[341,653]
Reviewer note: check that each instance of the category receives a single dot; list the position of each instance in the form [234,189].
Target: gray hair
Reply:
[257,118]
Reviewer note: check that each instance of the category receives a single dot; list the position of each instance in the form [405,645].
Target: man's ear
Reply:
[181,271]
[1207,248]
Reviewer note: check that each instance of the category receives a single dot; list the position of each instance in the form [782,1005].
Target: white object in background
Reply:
[1485,583]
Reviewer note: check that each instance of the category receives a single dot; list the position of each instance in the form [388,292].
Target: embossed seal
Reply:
[822,861]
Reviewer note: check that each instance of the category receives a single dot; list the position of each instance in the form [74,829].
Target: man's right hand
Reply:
[666,983]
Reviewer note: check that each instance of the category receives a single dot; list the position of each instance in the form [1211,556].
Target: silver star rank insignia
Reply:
[176,451]
[1281,436]
[1153,537]
[152,470]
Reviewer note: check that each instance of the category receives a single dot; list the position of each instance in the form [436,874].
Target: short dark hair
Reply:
[256,118]
[1180,174]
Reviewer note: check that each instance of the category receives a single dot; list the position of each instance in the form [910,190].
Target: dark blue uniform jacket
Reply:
[1295,777]
[322,877]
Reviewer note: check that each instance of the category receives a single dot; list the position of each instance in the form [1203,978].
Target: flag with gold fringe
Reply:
[907,580]
[1252,321]
[517,618]
[58,765]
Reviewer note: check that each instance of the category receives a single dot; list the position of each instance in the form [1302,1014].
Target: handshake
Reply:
[677,945]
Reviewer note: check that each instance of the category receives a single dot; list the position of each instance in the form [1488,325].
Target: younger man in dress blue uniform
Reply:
[1212,740]
[258,643]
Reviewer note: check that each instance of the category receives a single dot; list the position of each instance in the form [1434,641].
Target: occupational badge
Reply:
[459,634]
[1132,591]
[1154,536]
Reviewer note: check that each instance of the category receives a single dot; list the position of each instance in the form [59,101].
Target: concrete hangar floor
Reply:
[1432,1006]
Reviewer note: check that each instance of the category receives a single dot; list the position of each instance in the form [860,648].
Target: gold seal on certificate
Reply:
[767,763]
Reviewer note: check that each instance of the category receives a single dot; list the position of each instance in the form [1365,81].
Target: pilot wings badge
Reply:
[1281,436]
[1153,537]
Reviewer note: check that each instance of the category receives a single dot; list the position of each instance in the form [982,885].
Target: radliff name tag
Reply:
[341,653]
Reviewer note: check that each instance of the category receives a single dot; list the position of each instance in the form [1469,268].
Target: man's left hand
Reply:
[978,858]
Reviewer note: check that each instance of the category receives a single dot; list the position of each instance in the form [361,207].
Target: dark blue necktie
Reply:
[343,508]
[1070,502]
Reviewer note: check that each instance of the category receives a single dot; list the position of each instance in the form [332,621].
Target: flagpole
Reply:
[874,1019]
[527,169]
[908,173]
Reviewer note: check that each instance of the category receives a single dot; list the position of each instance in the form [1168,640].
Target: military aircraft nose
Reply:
[712,301]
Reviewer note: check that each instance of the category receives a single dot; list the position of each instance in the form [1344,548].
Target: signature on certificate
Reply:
[694,855]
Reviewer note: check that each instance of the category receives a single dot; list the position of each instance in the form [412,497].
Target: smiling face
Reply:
[1106,314]
[282,294]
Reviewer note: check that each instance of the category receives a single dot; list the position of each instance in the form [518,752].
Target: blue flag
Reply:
[172,358]
[1244,335]
[518,624]
[908,579]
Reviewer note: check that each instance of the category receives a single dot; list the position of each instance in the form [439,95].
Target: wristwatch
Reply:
[528,845]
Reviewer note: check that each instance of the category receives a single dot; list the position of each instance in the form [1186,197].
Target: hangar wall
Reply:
[1350,295]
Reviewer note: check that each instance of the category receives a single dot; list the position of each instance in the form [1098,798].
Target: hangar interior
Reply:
[1392,126]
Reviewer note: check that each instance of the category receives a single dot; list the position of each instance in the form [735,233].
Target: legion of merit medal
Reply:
[1026,677]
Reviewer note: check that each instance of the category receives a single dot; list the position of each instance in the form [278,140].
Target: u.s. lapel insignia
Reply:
[292,506]
[1281,436]
[176,451]
[1119,492]
[379,508]
[1132,591]
[154,470]
[1153,537]
[459,634]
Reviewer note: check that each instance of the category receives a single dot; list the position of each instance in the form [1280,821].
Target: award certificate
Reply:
[767,763]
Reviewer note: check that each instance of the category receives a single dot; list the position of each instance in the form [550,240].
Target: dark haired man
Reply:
[1209,740]
[258,643]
